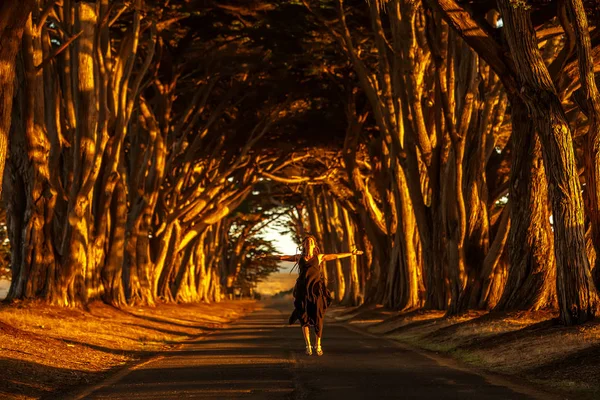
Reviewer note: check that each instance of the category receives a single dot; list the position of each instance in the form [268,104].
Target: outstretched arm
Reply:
[331,257]
[293,258]
[282,258]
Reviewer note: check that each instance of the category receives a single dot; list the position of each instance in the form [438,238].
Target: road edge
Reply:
[535,391]
[115,374]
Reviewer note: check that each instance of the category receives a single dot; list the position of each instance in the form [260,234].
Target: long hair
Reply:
[302,248]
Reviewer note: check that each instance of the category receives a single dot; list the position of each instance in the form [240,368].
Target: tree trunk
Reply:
[316,228]
[493,271]
[531,281]
[353,295]
[456,268]
[13,17]
[35,273]
[171,259]
[413,291]
[335,237]
[577,296]
[88,148]
[591,109]
[113,266]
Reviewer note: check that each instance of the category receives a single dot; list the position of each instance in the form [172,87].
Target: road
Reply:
[261,357]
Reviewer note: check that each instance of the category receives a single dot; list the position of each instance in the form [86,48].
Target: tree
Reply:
[13,17]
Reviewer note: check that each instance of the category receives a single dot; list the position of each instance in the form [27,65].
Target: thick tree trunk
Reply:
[456,268]
[375,291]
[577,296]
[405,289]
[180,288]
[531,281]
[35,273]
[88,148]
[139,280]
[171,260]
[185,288]
[414,290]
[591,108]
[112,272]
[493,271]
[437,282]
[477,242]
[13,16]
[203,266]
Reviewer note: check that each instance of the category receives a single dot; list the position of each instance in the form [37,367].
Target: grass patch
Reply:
[576,388]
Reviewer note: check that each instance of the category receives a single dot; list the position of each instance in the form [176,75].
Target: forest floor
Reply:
[530,346]
[45,351]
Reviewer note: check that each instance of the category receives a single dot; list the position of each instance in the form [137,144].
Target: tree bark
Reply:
[35,273]
[112,271]
[531,280]
[591,109]
[335,239]
[13,17]
[410,293]
[353,296]
[577,296]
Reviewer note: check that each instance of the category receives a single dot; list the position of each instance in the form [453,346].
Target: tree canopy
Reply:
[456,142]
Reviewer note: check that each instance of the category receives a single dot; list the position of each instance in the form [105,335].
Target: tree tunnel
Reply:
[151,141]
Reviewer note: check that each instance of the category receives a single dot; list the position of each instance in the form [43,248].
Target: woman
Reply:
[311,297]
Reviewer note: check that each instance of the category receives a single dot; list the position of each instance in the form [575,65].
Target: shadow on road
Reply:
[261,357]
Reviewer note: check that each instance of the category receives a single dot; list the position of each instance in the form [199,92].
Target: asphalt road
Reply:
[261,357]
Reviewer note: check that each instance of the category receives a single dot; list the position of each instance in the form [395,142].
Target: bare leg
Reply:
[318,346]
[306,333]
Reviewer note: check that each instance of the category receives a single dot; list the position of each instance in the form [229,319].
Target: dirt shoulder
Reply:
[46,350]
[522,346]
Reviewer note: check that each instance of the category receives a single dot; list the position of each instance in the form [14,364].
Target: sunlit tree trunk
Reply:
[353,295]
[409,291]
[457,112]
[13,17]
[591,108]
[70,94]
[32,232]
[577,296]
[203,278]
[334,244]
[169,258]
[112,272]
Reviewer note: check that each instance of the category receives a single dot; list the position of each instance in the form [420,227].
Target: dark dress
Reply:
[311,297]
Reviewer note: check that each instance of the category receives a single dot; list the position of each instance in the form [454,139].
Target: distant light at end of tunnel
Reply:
[502,201]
